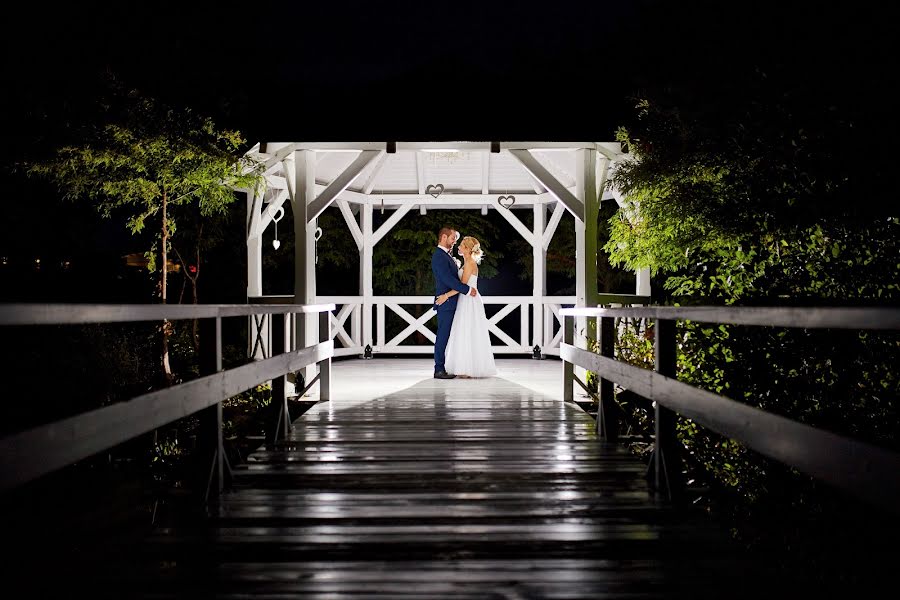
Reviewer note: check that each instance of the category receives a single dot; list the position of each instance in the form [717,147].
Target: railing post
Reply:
[211,442]
[324,365]
[278,416]
[666,462]
[568,368]
[607,409]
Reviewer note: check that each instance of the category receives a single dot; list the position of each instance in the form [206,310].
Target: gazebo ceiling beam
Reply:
[341,183]
[558,190]
[606,148]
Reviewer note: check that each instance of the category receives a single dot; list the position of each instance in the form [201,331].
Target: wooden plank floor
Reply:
[446,489]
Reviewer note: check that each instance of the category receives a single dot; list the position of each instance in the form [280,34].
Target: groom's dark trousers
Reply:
[446,278]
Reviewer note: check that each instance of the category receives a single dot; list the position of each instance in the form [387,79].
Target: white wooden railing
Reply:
[348,324]
[359,321]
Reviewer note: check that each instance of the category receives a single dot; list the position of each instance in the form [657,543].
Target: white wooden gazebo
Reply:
[394,178]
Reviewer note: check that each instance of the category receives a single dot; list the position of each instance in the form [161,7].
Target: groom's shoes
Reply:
[443,375]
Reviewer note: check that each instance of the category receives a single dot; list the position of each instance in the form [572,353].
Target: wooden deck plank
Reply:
[444,489]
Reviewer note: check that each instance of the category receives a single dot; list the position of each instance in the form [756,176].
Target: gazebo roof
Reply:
[460,167]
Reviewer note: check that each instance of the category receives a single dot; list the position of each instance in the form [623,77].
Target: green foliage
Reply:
[148,153]
[741,207]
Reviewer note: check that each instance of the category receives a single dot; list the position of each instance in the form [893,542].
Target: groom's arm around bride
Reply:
[445,275]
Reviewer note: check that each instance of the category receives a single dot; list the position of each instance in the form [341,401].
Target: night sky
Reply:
[364,71]
[428,70]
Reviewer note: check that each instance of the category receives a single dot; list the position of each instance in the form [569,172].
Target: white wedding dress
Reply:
[469,348]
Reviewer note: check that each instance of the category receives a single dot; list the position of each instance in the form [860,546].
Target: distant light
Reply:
[65,264]
[37,264]
[4,260]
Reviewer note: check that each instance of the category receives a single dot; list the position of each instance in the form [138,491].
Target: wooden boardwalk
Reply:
[446,489]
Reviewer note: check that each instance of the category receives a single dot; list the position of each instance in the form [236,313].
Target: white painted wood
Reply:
[373,175]
[365,262]
[394,198]
[276,182]
[398,214]
[338,331]
[254,202]
[611,150]
[356,324]
[558,211]
[304,184]
[642,283]
[414,324]
[517,224]
[279,156]
[330,193]
[523,323]
[269,211]
[557,189]
[381,316]
[435,146]
[420,173]
[352,225]
[539,277]
[504,337]
[485,172]
[502,313]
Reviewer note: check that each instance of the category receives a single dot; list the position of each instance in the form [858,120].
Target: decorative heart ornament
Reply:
[276,244]
[278,214]
[506,201]
[435,190]
[318,233]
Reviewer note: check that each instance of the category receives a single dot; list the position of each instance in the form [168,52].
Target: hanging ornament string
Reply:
[277,216]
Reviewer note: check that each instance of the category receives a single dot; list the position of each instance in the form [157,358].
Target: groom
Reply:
[446,278]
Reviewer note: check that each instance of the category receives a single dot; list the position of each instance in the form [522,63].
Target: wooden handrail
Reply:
[27,455]
[780,316]
[865,470]
[75,314]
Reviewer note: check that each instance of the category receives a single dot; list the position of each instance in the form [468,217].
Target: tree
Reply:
[763,198]
[152,162]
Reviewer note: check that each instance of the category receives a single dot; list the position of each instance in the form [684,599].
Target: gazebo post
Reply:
[365,266]
[586,244]
[540,274]
[304,247]
[254,273]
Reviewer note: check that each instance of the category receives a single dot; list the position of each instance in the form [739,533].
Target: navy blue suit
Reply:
[446,278]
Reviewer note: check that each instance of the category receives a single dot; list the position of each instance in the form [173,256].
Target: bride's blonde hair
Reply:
[474,247]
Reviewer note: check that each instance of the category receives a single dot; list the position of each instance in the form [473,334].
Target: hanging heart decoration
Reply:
[276,244]
[318,233]
[506,201]
[278,214]
[435,190]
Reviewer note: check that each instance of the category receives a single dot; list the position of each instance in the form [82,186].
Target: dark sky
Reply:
[423,70]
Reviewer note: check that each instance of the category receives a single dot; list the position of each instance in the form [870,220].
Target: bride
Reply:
[469,348]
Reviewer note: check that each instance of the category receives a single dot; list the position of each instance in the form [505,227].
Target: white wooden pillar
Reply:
[365,267]
[305,249]
[642,283]
[540,274]
[254,276]
[586,245]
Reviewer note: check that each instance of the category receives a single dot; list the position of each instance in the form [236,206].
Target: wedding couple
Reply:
[463,345]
